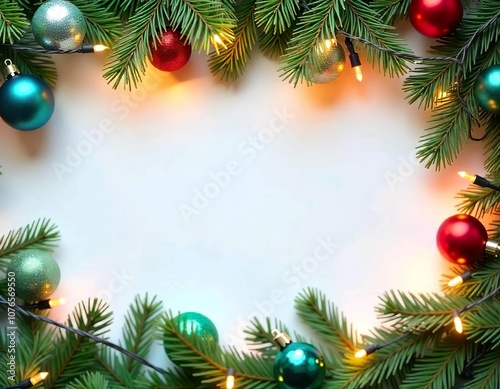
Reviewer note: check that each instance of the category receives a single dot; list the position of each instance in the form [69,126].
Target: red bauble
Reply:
[461,239]
[170,53]
[435,18]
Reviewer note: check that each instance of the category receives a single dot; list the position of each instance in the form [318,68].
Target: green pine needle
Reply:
[13,21]
[276,16]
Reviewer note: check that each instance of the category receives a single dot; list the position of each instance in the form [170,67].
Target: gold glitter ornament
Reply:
[330,63]
[36,275]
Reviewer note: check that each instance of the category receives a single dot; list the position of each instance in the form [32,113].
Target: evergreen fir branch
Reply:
[361,20]
[32,353]
[274,45]
[315,25]
[390,361]
[140,326]
[446,137]
[89,381]
[124,9]
[484,280]
[477,200]
[484,325]
[260,338]
[38,64]
[74,354]
[175,379]
[486,372]
[276,16]
[102,26]
[231,60]
[13,21]
[127,63]
[439,368]
[391,11]
[203,22]
[41,234]
[492,130]
[419,312]
[325,320]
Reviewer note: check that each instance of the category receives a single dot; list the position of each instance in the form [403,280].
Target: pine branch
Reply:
[176,379]
[124,9]
[274,45]
[231,61]
[484,325]
[486,372]
[276,16]
[41,234]
[89,381]
[419,312]
[477,200]
[391,11]
[492,130]
[13,21]
[485,279]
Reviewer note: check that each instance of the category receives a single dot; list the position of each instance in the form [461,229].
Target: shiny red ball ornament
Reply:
[171,53]
[435,18]
[461,239]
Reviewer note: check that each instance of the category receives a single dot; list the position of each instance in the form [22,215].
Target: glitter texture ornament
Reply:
[487,89]
[461,239]
[170,53]
[331,62]
[298,365]
[36,274]
[194,323]
[435,18]
[59,25]
[26,101]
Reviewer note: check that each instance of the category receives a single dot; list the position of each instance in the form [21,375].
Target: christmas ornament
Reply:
[59,25]
[461,239]
[36,274]
[194,323]
[435,18]
[487,89]
[331,61]
[170,53]
[26,101]
[297,365]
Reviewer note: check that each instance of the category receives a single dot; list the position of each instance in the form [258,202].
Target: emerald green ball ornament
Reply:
[36,275]
[487,89]
[194,323]
[59,25]
[298,365]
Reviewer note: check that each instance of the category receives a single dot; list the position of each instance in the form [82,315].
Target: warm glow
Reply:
[458,280]
[458,322]
[360,353]
[359,73]
[38,378]
[230,382]
[99,48]
[56,302]
[467,176]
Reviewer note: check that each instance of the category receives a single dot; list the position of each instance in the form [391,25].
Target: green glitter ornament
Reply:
[194,323]
[59,25]
[298,365]
[36,275]
[487,89]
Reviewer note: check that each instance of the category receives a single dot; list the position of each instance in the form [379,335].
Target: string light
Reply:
[36,379]
[478,180]
[459,280]
[457,321]
[370,349]
[354,59]
[85,49]
[46,304]
[230,378]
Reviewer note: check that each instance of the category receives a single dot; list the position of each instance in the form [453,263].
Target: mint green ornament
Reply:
[36,275]
[487,89]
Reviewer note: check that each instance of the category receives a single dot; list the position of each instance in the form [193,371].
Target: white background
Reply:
[342,169]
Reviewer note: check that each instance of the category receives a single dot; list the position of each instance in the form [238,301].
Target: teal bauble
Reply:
[36,274]
[487,89]
[26,101]
[298,365]
[194,324]
[59,25]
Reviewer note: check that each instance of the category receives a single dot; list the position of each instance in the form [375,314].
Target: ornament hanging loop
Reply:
[10,69]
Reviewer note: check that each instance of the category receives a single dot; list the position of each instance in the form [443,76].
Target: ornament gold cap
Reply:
[281,338]
[10,70]
[492,248]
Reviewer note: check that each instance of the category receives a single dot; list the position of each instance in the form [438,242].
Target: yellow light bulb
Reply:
[359,73]
[56,302]
[38,377]
[467,176]
[230,378]
[458,280]
[458,322]
[360,353]
[99,48]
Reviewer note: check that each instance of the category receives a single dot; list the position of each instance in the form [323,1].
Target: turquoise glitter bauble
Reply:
[194,323]
[59,25]
[36,275]
[487,89]
[299,366]
[26,102]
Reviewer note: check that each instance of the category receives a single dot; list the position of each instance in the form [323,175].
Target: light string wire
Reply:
[84,334]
